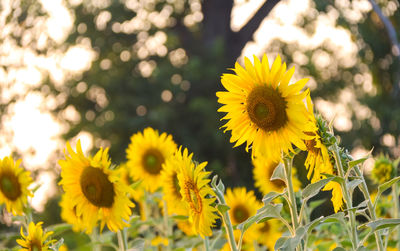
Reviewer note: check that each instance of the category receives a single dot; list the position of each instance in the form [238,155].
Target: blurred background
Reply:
[102,70]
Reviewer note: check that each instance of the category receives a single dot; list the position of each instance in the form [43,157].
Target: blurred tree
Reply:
[157,64]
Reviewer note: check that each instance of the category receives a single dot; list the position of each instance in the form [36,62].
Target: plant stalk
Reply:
[347,197]
[121,240]
[227,222]
[364,189]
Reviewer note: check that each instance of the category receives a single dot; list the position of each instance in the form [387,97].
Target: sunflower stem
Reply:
[121,240]
[364,189]
[168,230]
[206,242]
[227,221]
[395,191]
[292,198]
[347,197]
[95,240]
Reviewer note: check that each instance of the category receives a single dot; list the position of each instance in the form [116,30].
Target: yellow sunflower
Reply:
[262,172]
[146,154]
[138,192]
[68,214]
[171,189]
[196,193]
[186,227]
[94,190]
[14,182]
[269,233]
[263,109]
[243,204]
[36,239]
[318,161]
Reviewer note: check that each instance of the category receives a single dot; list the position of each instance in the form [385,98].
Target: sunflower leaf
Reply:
[57,245]
[381,223]
[313,189]
[292,242]
[222,208]
[263,214]
[270,197]
[180,217]
[279,173]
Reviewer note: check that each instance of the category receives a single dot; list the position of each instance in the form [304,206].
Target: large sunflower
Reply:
[35,239]
[263,109]
[318,161]
[196,193]
[243,204]
[146,154]
[171,188]
[262,172]
[94,190]
[14,182]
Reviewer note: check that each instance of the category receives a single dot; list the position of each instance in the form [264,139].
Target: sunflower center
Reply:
[310,144]
[267,108]
[176,185]
[265,228]
[240,213]
[10,186]
[35,246]
[152,161]
[96,187]
[193,195]
[278,183]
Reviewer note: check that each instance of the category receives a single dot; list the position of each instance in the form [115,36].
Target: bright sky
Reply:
[36,133]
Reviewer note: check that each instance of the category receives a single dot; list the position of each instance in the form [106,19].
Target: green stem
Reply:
[347,197]
[121,241]
[168,230]
[292,198]
[227,221]
[206,243]
[395,191]
[95,240]
[364,189]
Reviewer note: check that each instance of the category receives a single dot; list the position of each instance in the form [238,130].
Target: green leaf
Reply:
[279,173]
[59,228]
[314,188]
[339,249]
[270,197]
[222,208]
[220,186]
[353,184]
[381,224]
[291,243]
[136,184]
[137,244]
[180,217]
[387,184]
[267,212]
[353,163]
[57,245]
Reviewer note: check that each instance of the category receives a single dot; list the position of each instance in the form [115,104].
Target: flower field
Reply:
[162,198]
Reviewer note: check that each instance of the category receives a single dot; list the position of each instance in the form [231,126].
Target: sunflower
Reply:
[36,239]
[138,192]
[318,161]
[269,233]
[383,170]
[171,189]
[243,204]
[94,190]
[68,214]
[14,182]
[196,193]
[146,154]
[263,109]
[262,172]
